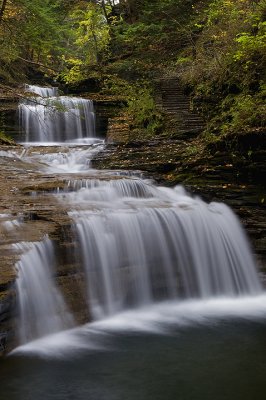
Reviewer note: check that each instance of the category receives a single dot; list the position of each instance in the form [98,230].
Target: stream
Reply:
[176,305]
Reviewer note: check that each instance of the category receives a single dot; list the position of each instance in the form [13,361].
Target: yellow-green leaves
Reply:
[91,33]
[88,47]
[251,44]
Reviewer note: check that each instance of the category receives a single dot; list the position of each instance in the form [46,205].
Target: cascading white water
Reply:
[114,188]
[48,117]
[42,91]
[141,244]
[42,309]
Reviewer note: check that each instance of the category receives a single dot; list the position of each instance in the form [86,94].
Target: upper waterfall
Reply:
[42,91]
[48,117]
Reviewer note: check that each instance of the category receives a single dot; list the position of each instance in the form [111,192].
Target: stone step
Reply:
[192,124]
[179,110]
[172,100]
[193,121]
[183,114]
[175,101]
[175,98]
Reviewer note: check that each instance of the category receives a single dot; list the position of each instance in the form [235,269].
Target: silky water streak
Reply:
[42,309]
[47,117]
[143,246]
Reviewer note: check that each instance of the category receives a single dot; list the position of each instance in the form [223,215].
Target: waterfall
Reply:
[114,188]
[139,244]
[42,91]
[47,117]
[42,309]
[142,244]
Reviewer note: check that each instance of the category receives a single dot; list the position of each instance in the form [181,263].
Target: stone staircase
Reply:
[171,99]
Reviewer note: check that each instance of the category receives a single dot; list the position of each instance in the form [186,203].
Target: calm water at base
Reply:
[210,359]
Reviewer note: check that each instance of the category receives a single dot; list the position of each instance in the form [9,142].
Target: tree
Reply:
[31,32]
[89,42]
[2,9]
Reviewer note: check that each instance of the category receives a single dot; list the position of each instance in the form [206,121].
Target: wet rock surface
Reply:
[29,212]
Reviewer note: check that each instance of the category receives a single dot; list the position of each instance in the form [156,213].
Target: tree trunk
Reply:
[105,12]
[2,9]
[96,47]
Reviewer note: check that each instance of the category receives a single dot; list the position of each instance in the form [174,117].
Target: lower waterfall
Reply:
[141,244]
[41,307]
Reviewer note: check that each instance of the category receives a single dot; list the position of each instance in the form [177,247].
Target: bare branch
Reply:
[38,64]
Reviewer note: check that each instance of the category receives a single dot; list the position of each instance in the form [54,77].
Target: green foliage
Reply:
[90,37]
[216,47]
[114,85]
[64,36]
[74,72]
[251,47]
[154,31]
[141,107]
[139,102]
[91,33]
[191,150]
[247,112]
[227,67]
[5,139]
[31,30]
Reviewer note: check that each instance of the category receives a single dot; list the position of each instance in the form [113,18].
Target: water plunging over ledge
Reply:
[48,117]
[151,255]
[137,251]
[42,309]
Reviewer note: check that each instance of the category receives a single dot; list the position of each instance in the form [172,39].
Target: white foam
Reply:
[157,319]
